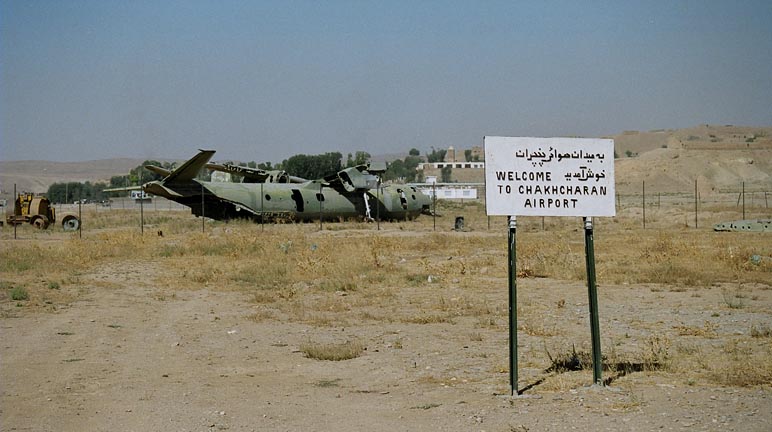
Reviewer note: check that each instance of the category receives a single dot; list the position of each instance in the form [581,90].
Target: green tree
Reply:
[445,174]
[119,181]
[411,163]
[313,167]
[360,158]
[140,174]
[404,169]
[394,170]
[436,155]
[73,191]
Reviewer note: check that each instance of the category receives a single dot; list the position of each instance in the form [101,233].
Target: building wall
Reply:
[450,155]
[459,175]
[478,153]
[463,171]
[450,192]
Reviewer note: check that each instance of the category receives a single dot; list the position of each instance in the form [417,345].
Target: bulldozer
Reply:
[38,212]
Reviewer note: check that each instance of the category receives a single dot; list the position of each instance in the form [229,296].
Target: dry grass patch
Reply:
[708,330]
[738,362]
[742,364]
[264,297]
[734,299]
[332,351]
[539,330]
[427,319]
[262,315]
[761,331]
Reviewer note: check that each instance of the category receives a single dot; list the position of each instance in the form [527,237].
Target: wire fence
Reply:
[654,206]
[125,203]
[649,207]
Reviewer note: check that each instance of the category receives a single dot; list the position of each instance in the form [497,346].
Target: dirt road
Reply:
[132,355]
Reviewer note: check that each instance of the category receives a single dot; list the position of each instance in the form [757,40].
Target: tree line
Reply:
[71,192]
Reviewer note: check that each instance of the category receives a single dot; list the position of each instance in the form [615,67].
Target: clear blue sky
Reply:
[264,80]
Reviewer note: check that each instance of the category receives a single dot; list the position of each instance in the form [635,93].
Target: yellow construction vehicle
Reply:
[38,212]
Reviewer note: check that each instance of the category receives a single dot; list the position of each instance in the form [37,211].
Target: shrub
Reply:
[19,293]
[335,352]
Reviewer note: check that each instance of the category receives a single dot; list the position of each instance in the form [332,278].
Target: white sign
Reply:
[549,176]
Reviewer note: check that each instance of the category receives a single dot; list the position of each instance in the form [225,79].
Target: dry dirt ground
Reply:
[129,353]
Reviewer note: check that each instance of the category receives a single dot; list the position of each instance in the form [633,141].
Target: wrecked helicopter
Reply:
[275,196]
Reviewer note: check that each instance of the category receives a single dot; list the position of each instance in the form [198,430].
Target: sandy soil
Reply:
[132,355]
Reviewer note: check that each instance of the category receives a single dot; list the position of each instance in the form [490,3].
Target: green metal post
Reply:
[589,250]
[513,306]
[262,211]
[141,207]
[320,208]
[644,204]
[80,218]
[696,203]
[434,205]
[15,197]
[378,208]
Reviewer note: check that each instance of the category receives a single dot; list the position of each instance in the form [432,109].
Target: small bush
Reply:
[335,352]
[338,284]
[733,299]
[19,293]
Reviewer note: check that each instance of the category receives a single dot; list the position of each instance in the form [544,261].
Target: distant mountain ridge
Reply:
[37,176]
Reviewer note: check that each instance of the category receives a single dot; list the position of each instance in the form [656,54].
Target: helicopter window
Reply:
[267,197]
[319,197]
[413,196]
[298,198]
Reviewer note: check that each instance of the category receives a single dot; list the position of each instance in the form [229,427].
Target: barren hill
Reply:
[37,176]
[718,157]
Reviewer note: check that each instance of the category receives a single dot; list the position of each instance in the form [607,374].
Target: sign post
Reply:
[592,290]
[550,177]
[512,305]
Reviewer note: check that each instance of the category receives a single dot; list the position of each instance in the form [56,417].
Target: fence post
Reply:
[696,200]
[743,195]
[15,197]
[644,204]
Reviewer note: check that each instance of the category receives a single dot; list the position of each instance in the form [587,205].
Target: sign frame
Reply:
[527,176]
[550,177]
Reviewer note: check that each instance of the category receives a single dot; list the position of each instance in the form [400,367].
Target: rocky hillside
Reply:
[718,157]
